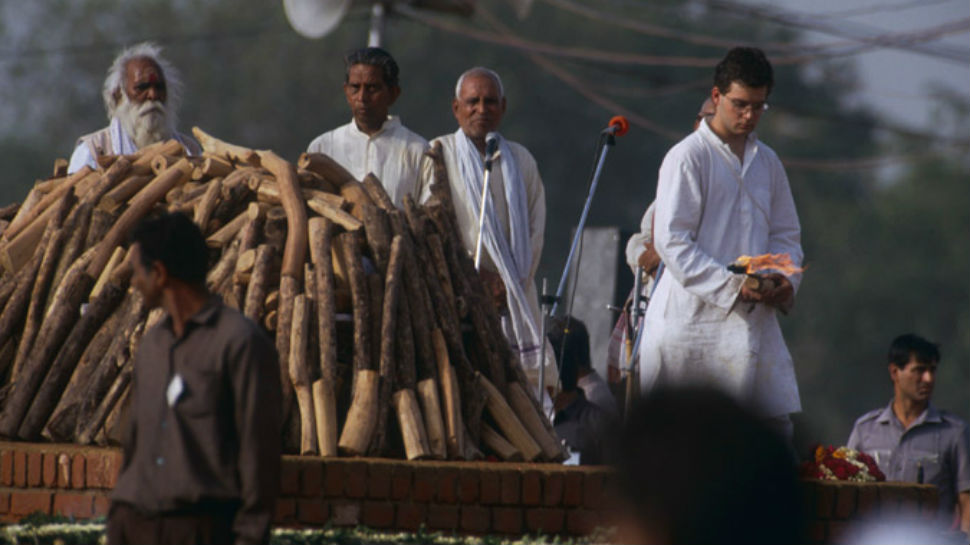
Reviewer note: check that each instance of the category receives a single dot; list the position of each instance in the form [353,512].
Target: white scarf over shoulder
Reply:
[512,256]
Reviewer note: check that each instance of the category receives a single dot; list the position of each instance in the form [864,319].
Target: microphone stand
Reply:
[610,141]
[490,146]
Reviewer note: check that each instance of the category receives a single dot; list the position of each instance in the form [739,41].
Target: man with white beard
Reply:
[141,94]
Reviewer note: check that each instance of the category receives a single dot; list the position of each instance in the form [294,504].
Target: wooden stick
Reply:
[334,214]
[320,235]
[296,218]
[258,282]
[520,403]
[299,375]
[137,208]
[117,257]
[33,198]
[362,416]
[214,146]
[49,248]
[349,245]
[435,426]
[451,395]
[67,358]
[77,224]
[213,166]
[27,215]
[508,422]
[115,393]
[223,236]
[497,444]
[207,204]
[375,294]
[326,167]
[411,424]
[119,195]
[375,189]
[388,326]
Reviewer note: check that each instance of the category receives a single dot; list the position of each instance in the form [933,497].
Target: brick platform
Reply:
[463,497]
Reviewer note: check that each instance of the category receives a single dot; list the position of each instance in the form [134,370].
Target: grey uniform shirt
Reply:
[937,442]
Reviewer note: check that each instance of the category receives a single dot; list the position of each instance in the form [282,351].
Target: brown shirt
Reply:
[205,421]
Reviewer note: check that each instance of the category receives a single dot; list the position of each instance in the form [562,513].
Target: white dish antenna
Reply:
[315,18]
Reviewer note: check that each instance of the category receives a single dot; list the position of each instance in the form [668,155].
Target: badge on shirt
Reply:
[175,389]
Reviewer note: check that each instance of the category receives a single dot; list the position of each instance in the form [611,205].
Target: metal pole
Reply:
[481,218]
[542,339]
[582,223]
[375,37]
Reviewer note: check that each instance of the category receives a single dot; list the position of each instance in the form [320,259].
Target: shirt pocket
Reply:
[930,463]
[201,395]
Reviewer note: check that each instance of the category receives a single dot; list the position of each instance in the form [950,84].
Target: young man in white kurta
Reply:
[717,200]
[375,142]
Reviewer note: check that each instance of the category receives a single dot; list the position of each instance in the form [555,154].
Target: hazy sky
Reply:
[896,83]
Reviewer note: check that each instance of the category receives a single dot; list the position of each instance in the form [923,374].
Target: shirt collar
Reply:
[750,142]
[390,124]
[204,316]
[930,415]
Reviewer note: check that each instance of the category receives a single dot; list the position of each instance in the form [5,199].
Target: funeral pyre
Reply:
[389,344]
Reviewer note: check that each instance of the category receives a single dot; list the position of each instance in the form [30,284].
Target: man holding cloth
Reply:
[515,214]
[722,193]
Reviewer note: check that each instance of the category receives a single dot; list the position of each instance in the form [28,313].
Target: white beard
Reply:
[145,123]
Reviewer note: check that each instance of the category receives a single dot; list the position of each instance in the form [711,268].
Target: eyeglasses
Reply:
[744,106]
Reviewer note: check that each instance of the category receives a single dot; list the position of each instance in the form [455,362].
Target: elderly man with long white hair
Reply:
[141,94]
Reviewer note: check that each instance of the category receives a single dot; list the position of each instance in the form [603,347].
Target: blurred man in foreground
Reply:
[141,93]
[202,449]
[375,142]
[913,441]
[694,467]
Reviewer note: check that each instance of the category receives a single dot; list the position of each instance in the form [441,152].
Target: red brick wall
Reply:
[465,497]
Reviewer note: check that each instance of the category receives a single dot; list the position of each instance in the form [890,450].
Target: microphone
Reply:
[618,126]
[491,146]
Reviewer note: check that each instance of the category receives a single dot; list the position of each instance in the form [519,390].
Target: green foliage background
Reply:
[887,248]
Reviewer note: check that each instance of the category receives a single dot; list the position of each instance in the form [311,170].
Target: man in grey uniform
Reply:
[913,441]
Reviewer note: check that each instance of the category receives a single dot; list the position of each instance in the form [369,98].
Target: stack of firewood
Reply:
[389,344]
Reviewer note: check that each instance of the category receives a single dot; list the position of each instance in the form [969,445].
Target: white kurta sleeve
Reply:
[785,232]
[536,195]
[638,241]
[81,156]
[680,207]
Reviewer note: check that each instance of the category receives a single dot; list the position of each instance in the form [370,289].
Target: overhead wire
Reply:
[874,9]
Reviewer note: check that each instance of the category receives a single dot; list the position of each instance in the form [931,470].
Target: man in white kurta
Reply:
[478,107]
[722,194]
[375,142]
[141,95]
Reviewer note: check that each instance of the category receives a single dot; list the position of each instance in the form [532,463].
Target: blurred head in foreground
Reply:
[695,467]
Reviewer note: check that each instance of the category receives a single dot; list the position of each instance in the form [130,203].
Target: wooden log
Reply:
[112,432]
[34,196]
[258,283]
[9,211]
[362,415]
[49,249]
[223,236]
[411,425]
[388,325]
[60,426]
[325,403]
[378,234]
[520,403]
[90,427]
[11,319]
[221,273]
[427,390]
[212,166]
[28,215]
[440,266]
[207,204]
[140,204]
[267,190]
[375,294]
[60,167]
[472,451]
[312,180]
[274,228]
[120,255]
[119,195]
[294,253]
[299,374]
[60,371]
[508,423]
[327,168]
[421,314]
[214,146]
[404,343]
[349,244]
[335,214]
[161,162]
[55,328]
[289,289]
[142,158]
[494,441]
[451,395]
[377,193]
[77,224]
